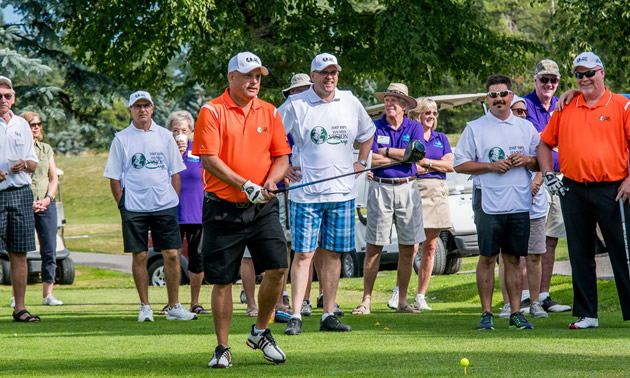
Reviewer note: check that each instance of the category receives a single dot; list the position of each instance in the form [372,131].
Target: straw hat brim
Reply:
[411,102]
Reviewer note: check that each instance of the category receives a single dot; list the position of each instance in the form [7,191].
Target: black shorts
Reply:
[505,233]
[136,225]
[192,233]
[229,227]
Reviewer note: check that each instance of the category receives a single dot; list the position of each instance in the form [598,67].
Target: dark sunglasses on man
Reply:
[591,73]
[545,80]
[498,94]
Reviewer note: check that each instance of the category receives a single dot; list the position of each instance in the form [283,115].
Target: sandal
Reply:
[252,312]
[198,309]
[164,311]
[17,317]
[361,310]
[407,309]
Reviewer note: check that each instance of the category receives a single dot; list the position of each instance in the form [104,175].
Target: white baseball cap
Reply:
[139,95]
[587,60]
[245,62]
[517,99]
[324,60]
[5,80]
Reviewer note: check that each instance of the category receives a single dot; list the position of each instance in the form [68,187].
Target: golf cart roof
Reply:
[443,102]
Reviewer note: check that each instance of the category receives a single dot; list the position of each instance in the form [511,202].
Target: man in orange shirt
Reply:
[244,153]
[592,135]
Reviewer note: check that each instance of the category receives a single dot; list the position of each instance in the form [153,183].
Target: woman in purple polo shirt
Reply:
[433,189]
[181,123]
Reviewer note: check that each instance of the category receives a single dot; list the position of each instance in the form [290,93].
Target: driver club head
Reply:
[414,152]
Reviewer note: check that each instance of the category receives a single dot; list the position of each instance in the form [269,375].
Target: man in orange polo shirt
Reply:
[592,135]
[244,153]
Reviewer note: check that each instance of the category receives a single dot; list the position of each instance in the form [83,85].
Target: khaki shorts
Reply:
[394,204]
[555,223]
[536,244]
[435,210]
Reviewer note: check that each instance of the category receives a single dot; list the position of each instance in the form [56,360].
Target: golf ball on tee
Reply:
[464,362]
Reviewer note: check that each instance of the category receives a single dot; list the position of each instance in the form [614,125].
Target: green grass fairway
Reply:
[96,333]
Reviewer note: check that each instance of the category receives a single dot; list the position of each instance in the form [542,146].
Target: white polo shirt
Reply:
[489,139]
[144,162]
[324,134]
[16,139]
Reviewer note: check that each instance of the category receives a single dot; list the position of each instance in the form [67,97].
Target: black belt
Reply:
[238,205]
[394,181]
[13,188]
[593,183]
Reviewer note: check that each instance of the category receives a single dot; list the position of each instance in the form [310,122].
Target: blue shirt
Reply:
[539,117]
[436,147]
[386,136]
[191,191]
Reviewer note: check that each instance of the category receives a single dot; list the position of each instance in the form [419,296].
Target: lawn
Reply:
[96,333]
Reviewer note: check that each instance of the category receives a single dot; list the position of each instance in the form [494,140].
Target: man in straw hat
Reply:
[394,197]
[324,123]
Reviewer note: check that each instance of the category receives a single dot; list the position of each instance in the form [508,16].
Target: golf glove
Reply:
[554,185]
[253,192]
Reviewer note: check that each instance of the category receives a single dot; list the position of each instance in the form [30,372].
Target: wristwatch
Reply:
[51,197]
[362,162]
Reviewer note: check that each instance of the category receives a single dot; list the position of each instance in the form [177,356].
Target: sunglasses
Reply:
[435,114]
[545,80]
[591,73]
[326,73]
[7,96]
[36,124]
[520,112]
[498,94]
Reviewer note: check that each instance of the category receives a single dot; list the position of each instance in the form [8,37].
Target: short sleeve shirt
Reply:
[40,176]
[436,147]
[387,136]
[191,193]
[539,117]
[592,140]
[16,139]
[246,144]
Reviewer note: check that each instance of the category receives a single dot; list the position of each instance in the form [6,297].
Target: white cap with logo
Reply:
[6,81]
[587,60]
[324,60]
[139,95]
[245,62]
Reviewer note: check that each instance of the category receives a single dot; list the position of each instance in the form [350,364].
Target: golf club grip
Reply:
[335,177]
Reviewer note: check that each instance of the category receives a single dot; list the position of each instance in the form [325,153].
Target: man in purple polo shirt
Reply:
[393,196]
[541,104]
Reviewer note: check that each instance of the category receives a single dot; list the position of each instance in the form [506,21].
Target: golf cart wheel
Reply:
[5,272]
[453,263]
[349,265]
[64,274]
[156,273]
[439,260]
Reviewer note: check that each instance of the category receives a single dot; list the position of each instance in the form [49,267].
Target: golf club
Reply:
[625,232]
[414,152]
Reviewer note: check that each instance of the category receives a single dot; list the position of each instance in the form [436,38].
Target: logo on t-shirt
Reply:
[406,138]
[138,161]
[438,143]
[318,135]
[496,154]
[604,118]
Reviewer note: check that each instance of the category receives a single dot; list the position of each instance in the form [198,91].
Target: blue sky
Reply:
[9,15]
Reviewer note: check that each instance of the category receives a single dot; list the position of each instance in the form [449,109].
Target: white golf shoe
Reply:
[178,312]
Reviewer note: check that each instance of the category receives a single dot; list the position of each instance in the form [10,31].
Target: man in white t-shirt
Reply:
[499,149]
[17,162]
[143,168]
[324,123]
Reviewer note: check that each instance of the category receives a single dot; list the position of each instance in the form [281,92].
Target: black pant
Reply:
[584,206]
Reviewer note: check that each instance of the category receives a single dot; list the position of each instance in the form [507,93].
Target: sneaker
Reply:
[12,304]
[285,301]
[243,297]
[320,301]
[550,306]
[486,321]
[265,342]
[584,322]
[506,311]
[282,316]
[294,327]
[51,300]
[306,310]
[393,301]
[332,324]
[146,313]
[525,303]
[221,358]
[337,311]
[178,312]
[420,304]
[518,321]
[536,310]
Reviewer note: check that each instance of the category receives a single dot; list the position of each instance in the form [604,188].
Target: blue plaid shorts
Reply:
[335,220]
[17,220]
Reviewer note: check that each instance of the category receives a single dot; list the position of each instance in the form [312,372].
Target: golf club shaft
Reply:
[625,232]
[340,176]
